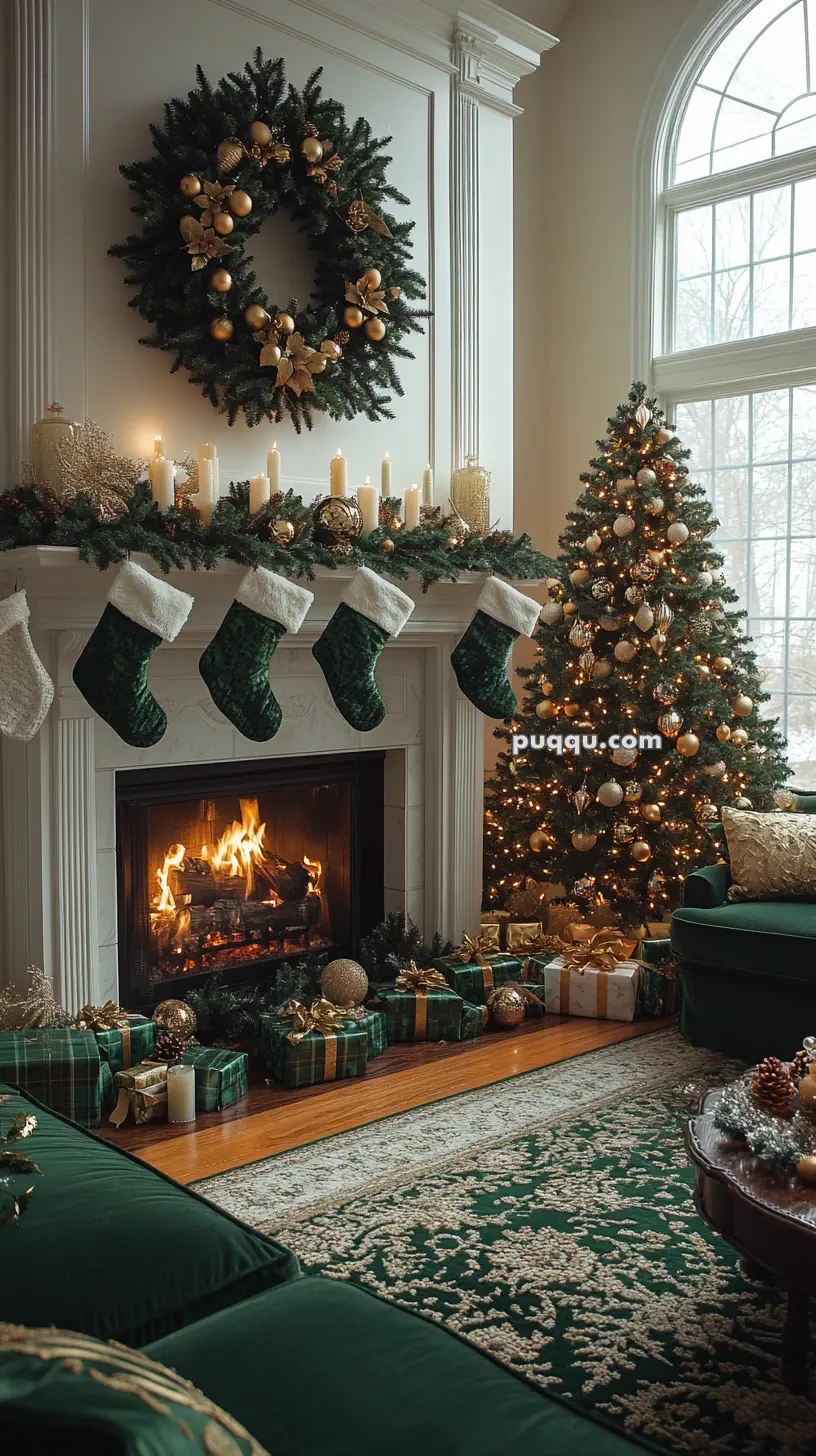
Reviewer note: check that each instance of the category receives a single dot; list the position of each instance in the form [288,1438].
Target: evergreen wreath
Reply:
[224,161]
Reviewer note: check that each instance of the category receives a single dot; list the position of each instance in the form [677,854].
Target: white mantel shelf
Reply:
[58,874]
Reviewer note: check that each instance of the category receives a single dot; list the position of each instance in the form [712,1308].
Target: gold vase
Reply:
[470,495]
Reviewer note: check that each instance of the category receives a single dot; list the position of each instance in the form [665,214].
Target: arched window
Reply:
[735,326]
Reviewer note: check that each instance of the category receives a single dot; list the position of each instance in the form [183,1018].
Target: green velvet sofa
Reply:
[747,970]
[109,1247]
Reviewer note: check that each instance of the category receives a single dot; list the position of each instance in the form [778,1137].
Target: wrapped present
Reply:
[303,1046]
[221,1077]
[123,1037]
[594,978]
[659,982]
[142,1092]
[420,1006]
[474,1021]
[62,1068]
[561,916]
[525,937]
[472,973]
[375,1025]
[490,930]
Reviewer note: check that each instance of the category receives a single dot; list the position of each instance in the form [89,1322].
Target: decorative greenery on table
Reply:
[225,160]
[32,517]
[13,1205]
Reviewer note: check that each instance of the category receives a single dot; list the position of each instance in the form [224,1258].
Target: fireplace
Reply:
[235,867]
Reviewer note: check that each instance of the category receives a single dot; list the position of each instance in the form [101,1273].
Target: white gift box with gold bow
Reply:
[610,995]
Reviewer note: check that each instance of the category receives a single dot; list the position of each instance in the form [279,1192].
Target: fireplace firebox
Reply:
[235,867]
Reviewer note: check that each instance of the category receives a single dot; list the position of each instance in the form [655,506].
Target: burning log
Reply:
[293,915]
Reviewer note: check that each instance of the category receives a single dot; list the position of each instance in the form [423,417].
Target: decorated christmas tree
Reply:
[638,646]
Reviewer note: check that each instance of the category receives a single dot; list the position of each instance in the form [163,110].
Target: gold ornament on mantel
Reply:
[89,466]
[470,494]
[337,521]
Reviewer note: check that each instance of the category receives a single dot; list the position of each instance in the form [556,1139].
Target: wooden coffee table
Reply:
[770,1219]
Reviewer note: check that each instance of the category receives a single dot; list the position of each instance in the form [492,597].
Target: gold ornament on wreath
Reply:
[334,187]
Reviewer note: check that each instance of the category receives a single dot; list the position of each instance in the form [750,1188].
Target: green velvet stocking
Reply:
[480,660]
[111,675]
[235,668]
[347,651]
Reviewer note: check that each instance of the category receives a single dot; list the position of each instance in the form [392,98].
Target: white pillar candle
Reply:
[410,506]
[368,499]
[209,452]
[181,1094]
[206,490]
[337,474]
[385,475]
[427,486]
[258,492]
[273,468]
[158,447]
[162,483]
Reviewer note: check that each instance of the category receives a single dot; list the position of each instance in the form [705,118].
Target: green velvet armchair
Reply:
[747,970]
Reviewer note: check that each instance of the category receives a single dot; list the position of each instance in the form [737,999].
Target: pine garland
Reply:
[177,538]
[179,302]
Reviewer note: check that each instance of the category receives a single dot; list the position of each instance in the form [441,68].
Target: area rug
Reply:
[549,1220]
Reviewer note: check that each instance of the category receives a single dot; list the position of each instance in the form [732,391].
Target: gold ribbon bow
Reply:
[605,950]
[109,1017]
[323,1017]
[471,951]
[420,982]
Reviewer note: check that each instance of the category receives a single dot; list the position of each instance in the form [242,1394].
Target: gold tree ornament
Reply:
[374,329]
[229,153]
[260,134]
[222,329]
[190,185]
[89,466]
[360,216]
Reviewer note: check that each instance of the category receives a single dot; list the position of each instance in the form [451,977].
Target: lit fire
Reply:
[173,860]
[239,853]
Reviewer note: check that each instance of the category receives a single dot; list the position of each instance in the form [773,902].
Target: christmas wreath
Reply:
[225,160]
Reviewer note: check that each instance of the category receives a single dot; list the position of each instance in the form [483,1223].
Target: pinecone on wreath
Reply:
[772,1087]
[799,1067]
[171,1045]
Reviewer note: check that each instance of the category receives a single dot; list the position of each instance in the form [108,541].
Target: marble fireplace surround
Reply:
[58,871]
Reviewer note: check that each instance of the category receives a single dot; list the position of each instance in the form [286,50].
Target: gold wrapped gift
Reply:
[526,937]
[142,1091]
[561,917]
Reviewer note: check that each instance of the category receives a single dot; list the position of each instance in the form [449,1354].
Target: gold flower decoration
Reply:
[278,152]
[267,337]
[370,300]
[360,216]
[202,243]
[297,366]
[213,198]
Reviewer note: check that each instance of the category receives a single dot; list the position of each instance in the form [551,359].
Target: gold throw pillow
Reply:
[773,856]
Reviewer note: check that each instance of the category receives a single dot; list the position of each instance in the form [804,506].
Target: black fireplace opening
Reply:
[237,867]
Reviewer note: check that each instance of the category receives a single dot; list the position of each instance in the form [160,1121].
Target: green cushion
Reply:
[805,802]
[51,1400]
[288,1365]
[758,937]
[110,1247]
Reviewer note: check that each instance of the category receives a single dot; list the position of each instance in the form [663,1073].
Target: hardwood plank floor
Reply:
[272,1120]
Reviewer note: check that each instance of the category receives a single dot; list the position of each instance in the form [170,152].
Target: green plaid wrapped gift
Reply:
[420,1006]
[375,1025]
[61,1068]
[303,1046]
[221,1077]
[475,980]
[474,1021]
[659,982]
[124,1047]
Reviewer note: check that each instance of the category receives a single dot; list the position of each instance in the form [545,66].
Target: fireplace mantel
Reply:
[58,878]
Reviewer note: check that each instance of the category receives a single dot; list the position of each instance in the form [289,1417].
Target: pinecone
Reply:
[799,1067]
[171,1046]
[772,1086]
[308,129]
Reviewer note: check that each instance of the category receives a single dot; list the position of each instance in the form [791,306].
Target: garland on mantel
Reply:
[176,538]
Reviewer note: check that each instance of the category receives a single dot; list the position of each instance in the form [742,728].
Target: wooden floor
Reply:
[273,1119]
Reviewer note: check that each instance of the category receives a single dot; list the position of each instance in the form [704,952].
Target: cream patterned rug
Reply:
[549,1220]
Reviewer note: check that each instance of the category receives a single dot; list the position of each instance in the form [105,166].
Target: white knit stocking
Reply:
[26,690]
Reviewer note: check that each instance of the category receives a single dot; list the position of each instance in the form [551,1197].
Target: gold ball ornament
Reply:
[223,222]
[641,851]
[723,732]
[284,323]
[506,1006]
[651,813]
[706,812]
[654,506]
[623,832]
[570,608]
[260,134]
[353,317]
[632,791]
[546,687]
[283,532]
[807,1089]
[177,1016]
[546,710]
[272,353]
[584,840]
[572,709]
[190,185]
[677,533]
[579,577]
[646,477]
[739,737]
[688,744]
[256,316]
[374,329]
[372,278]
[344,982]
[806,1167]
[742,705]
[221,280]
[602,669]
[625,650]
[537,841]
[222,329]
[593,543]
[312,150]
[240,203]
[722,664]
[337,520]
[669,723]
[387,545]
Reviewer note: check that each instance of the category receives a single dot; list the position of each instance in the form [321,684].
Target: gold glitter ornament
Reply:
[623,831]
[337,519]
[283,532]
[506,1006]
[632,791]
[344,982]
[34,1005]
[583,840]
[669,723]
[174,1015]
[665,692]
